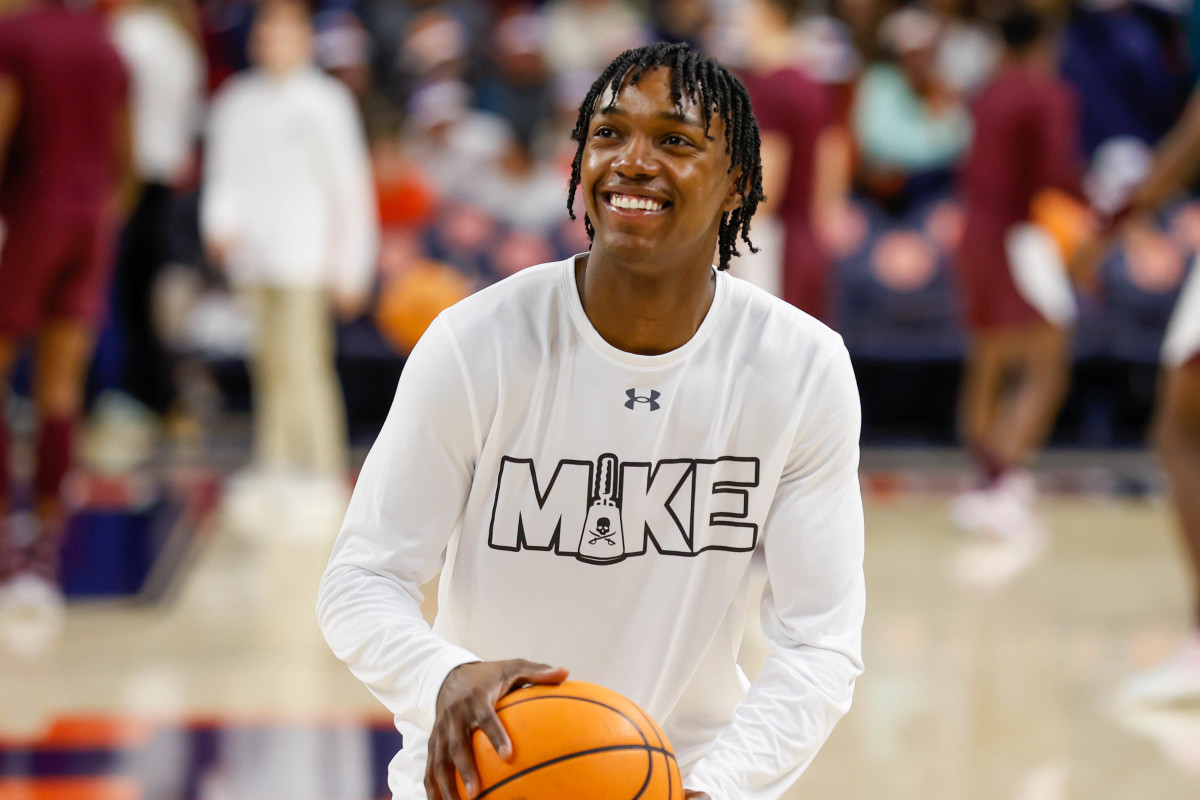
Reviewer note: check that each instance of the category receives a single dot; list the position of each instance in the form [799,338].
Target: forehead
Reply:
[652,94]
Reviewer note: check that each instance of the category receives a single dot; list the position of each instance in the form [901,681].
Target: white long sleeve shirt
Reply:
[600,510]
[168,70]
[288,183]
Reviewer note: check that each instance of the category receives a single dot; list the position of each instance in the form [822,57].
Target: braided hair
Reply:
[714,89]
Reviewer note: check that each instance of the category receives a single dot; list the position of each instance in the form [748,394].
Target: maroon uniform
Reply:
[58,176]
[1024,142]
[788,102]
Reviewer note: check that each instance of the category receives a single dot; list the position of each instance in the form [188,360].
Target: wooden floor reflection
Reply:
[970,694]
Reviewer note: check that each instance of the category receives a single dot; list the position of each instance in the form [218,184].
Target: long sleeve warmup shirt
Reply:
[600,510]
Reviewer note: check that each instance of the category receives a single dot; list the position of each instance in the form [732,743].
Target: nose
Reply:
[636,158]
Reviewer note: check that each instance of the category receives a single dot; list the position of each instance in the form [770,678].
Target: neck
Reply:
[644,312]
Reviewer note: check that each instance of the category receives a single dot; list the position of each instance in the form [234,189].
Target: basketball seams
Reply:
[628,715]
[613,709]
[650,750]
[669,757]
[618,712]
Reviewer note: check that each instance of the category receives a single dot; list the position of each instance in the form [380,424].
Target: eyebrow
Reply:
[673,116]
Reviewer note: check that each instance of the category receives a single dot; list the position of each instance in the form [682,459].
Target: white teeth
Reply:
[635,203]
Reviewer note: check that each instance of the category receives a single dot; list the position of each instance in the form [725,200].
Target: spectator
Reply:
[910,126]
[805,160]
[970,50]
[683,21]
[64,169]
[862,18]
[408,36]
[289,212]
[160,41]
[1019,308]
[1130,77]
[225,25]
[582,36]
[341,48]
[453,142]
[518,86]
[406,199]
[521,191]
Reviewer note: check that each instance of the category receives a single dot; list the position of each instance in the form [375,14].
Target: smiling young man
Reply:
[595,452]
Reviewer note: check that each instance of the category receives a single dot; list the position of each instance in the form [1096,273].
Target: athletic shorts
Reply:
[1181,345]
[1013,278]
[53,266]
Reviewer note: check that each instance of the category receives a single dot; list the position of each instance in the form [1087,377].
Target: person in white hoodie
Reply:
[595,452]
[288,210]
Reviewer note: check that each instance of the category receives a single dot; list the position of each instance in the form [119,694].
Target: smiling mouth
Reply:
[634,203]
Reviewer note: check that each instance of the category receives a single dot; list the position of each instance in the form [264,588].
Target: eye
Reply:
[675,140]
[603,132]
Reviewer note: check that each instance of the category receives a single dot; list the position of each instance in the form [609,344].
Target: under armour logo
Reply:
[634,399]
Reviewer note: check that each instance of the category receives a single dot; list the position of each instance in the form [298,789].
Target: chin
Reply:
[633,251]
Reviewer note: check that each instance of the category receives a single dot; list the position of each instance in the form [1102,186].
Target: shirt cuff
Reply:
[715,786]
[435,676]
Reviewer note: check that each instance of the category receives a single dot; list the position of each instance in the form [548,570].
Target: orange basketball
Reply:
[578,741]
[1063,217]
[409,303]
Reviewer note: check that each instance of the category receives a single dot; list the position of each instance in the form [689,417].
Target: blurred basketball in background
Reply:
[576,740]
[410,301]
[1068,221]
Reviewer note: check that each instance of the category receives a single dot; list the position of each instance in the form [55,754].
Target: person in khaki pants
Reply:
[289,212]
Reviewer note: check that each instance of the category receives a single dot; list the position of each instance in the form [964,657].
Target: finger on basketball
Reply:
[540,674]
[433,785]
[454,765]
[489,722]
[462,756]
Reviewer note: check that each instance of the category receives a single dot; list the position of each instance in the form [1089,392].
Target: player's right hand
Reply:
[466,702]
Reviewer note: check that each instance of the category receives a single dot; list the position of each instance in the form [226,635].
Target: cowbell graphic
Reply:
[603,539]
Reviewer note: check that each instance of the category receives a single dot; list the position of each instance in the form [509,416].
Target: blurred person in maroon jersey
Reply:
[64,170]
[1019,307]
[805,158]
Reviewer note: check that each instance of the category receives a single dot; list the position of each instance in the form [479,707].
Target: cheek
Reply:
[590,170]
[708,191]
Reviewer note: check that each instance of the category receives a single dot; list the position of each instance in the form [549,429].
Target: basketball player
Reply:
[595,451]
[1018,302]
[64,162]
[1177,424]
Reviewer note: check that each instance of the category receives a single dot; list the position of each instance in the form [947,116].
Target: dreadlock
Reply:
[713,88]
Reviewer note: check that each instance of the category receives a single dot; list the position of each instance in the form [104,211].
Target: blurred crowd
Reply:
[331,174]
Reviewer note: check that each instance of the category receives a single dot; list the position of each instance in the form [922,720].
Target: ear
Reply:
[733,197]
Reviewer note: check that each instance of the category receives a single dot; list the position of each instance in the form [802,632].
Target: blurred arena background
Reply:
[185,663]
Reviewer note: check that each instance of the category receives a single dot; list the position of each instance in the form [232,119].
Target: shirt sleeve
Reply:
[812,608]
[355,240]
[218,201]
[408,501]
